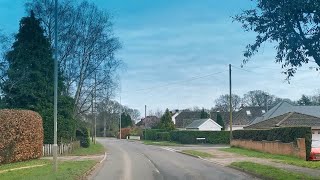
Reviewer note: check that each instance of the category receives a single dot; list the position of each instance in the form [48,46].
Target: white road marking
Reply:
[168,149]
[104,158]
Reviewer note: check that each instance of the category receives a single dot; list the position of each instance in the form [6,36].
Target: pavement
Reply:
[226,158]
[127,160]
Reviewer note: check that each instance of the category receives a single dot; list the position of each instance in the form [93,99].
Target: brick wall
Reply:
[274,147]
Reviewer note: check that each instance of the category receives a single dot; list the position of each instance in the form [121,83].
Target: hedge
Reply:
[285,135]
[189,137]
[151,134]
[82,134]
[21,135]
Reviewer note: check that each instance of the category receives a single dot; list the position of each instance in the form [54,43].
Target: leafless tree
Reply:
[87,48]
[222,103]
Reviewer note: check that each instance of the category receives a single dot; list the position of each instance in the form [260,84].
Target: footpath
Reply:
[226,159]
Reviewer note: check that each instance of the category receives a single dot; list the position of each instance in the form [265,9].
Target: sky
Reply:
[176,53]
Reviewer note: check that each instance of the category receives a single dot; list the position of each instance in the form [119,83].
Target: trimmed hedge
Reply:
[151,134]
[189,137]
[163,136]
[285,135]
[21,135]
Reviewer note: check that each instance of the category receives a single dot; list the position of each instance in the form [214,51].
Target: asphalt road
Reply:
[135,161]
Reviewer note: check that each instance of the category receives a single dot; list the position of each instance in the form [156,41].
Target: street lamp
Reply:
[55,103]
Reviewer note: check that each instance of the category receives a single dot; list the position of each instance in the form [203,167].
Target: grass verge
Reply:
[67,170]
[197,153]
[268,172]
[91,150]
[161,143]
[278,158]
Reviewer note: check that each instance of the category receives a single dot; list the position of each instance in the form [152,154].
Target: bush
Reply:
[151,134]
[124,133]
[285,135]
[83,136]
[189,137]
[21,135]
[163,136]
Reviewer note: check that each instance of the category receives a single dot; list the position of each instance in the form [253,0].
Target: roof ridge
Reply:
[284,119]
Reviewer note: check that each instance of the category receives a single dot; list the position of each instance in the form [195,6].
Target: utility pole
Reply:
[120,119]
[92,118]
[145,120]
[230,102]
[95,108]
[55,99]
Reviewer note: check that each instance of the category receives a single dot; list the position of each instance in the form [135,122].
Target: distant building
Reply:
[149,122]
[204,125]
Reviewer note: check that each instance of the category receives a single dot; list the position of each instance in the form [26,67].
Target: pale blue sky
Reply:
[171,41]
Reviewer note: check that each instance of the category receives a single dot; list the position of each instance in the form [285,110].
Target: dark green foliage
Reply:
[220,121]
[189,137]
[305,101]
[293,25]
[163,136]
[82,135]
[166,121]
[151,134]
[126,120]
[29,83]
[285,135]
[204,114]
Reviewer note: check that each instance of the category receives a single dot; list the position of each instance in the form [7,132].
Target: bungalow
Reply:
[204,125]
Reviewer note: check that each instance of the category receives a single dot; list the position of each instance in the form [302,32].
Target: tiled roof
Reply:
[287,120]
[196,123]
[186,117]
[285,107]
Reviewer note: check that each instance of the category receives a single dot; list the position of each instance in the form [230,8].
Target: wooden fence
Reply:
[62,148]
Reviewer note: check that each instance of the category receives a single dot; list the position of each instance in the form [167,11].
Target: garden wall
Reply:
[297,149]
[287,141]
[21,135]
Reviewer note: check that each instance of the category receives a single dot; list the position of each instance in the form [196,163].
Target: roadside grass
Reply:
[67,170]
[161,143]
[198,153]
[91,150]
[277,158]
[269,172]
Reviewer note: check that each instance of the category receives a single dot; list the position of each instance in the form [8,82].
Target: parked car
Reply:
[315,151]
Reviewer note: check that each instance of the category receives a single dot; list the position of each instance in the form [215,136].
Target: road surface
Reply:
[135,161]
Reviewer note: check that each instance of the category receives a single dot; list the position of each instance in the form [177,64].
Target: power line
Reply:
[177,82]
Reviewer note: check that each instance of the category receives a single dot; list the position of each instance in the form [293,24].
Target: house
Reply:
[204,125]
[184,118]
[289,119]
[149,122]
[285,107]
[240,118]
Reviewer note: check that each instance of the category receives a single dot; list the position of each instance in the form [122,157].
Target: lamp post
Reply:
[55,104]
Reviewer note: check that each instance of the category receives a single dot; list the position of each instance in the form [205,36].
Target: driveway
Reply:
[135,161]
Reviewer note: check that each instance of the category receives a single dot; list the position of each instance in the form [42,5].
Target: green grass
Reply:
[198,153]
[161,143]
[67,170]
[269,172]
[91,150]
[278,158]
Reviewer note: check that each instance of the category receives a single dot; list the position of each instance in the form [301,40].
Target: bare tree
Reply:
[222,103]
[87,48]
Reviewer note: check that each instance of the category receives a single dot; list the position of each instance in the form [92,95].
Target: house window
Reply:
[248,113]
[263,111]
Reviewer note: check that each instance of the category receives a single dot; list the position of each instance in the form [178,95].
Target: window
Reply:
[248,113]
[263,111]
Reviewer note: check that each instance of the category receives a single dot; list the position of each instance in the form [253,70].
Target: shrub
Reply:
[189,137]
[21,135]
[151,134]
[163,136]
[285,135]
[83,136]
[124,133]
[136,131]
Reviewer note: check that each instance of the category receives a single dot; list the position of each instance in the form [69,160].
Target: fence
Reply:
[62,148]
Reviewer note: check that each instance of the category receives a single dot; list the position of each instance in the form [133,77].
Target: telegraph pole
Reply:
[55,99]
[120,119]
[95,108]
[145,120]
[230,102]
